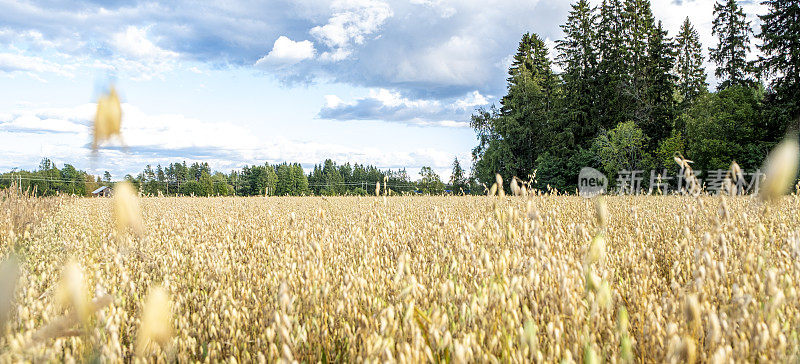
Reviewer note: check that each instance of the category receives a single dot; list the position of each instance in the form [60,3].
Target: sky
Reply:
[235,83]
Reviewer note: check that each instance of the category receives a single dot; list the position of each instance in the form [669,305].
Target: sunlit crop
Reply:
[536,278]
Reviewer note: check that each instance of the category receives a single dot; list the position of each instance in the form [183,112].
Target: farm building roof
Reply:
[101,189]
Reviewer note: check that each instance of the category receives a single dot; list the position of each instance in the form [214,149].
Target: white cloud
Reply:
[139,56]
[287,52]
[38,124]
[445,10]
[472,100]
[12,62]
[387,105]
[47,120]
[63,135]
[332,101]
[352,21]
[394,99]
[133,43]
[457,61]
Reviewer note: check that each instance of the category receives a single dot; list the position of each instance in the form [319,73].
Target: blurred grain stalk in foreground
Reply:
[108,119]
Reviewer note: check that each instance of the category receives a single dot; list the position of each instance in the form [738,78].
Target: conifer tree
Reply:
[780,37]
[660,103]
[639,26]
[611,68]
[691,76]
[578,57]
[733,31]
[528,108]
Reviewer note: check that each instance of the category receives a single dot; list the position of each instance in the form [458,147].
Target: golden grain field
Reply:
[408,279]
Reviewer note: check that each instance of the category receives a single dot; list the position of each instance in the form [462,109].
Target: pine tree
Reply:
[527,110]
[639,26]
[780,35]
[611,71]
[531,66]
[733,31]
[458,182]
[299,180]
[578,57]
[689,65]
[660,103]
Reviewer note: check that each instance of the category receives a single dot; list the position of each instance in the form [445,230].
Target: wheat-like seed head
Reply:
[108,118]
[156,323]
[9,274]
[71,293]
[126,209]
[780,169]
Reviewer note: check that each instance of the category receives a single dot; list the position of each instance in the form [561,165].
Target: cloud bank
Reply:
[63,135]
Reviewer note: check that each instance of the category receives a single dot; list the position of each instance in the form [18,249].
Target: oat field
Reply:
[407,279]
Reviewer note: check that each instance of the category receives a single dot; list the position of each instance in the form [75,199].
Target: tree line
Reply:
[284,179]
[48,180]
[630,96]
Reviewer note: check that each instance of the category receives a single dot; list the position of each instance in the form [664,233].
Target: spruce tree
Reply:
[660,100]
[780,37]
[578,57]
[639,26]
[458,181]
[733,31]
[689,69]
[611,68]
[527,110]
[638,23]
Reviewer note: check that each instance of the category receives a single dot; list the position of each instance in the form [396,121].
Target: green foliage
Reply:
[220,186]
[285,185]
[48,180]
[329,178]
[525,125]
[727,126]
[549,170]
[511,138]
[197,179]
[430,183]
[561,172]
[193,188]
[638,29]
[622,148]
[665,153]
[612,72]
[497,158]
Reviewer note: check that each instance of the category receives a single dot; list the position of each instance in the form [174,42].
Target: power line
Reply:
[364,184]
[15,178]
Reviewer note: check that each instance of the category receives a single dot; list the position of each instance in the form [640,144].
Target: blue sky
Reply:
[389,83]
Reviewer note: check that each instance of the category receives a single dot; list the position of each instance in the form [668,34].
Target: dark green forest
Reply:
[630,96]
[285,179]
